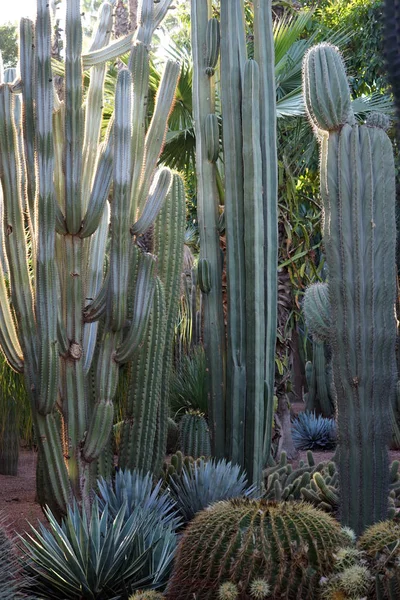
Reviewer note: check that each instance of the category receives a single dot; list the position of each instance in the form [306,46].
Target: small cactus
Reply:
[347,557]
[260,589]
[228,591]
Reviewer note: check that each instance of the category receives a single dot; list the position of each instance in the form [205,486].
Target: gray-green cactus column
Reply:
[59,291]
[358,192]
[205,45]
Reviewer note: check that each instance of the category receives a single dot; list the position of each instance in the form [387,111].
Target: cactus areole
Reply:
[57,173]
[358,193]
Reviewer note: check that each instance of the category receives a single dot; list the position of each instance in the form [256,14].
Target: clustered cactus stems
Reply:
[241,405]
[194,435]
[318,484]
[50,329]
[287,545]
[9,440]
[380,543]
[358,193]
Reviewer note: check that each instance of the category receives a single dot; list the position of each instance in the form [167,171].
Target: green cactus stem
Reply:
[358,192]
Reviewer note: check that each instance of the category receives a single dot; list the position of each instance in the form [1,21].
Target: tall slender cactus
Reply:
[241,406]
[205,44]
[50,330]
[358,192]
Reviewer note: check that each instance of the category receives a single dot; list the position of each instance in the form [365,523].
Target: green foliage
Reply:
[363,50]
[205,483]
[89,558]
[194,435]
[9,45]
[287,545]
[188,388]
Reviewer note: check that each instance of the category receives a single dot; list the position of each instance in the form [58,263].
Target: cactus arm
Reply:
[8,335]
[59,183]
[254,264]
[120,240]
[26,63]
[95,285]
[142,304]
[233,56]
[169,235]
[139,66]
[156,133]
[46,286]
[106,385]
[101,187]
[138,430]
[94,103]
[207,210]
[14,238]
[160,10]
[97,308]
[73,118]
[155,201]
[264,55]
[110,52]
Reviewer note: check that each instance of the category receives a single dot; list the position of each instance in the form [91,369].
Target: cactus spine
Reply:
[358,192]
[50,330]
[249,146]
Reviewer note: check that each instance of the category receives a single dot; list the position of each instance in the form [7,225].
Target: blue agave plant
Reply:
[311,432]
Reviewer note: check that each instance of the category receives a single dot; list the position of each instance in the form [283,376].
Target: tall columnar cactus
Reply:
[205,45]
[144,432]
[59,290]
[358,192]
[289,545]
[250,163]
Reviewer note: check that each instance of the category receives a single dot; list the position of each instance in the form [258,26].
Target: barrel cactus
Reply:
[287,545]
[381,545]
[358,193]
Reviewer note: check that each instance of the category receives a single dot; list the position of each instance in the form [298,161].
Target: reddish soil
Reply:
[17,495]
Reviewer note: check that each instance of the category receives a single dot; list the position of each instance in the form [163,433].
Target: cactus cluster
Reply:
[242,386]
[356,306]
[318,484]
[381,545]
[72,325]
[288,546]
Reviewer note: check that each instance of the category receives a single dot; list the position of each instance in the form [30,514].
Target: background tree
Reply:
[8,44]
